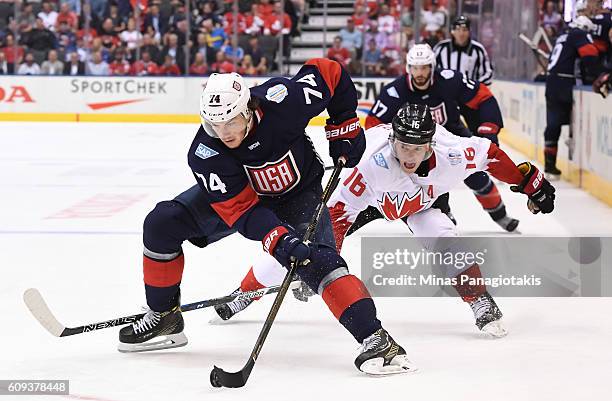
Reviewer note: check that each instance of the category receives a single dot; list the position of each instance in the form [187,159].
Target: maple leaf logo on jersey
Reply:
[393,209]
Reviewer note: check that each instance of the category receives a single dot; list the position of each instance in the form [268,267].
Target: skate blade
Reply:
[157,343]
[399,364]
[495,329]
[552,177]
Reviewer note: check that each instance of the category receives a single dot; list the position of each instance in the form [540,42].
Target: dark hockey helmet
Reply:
[413,124]
[461,20]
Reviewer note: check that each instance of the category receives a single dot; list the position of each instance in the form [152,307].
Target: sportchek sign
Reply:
[124,95]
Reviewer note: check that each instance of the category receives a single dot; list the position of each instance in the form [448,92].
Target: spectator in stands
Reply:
[146,66]
[254,23]
[5,67]
[117,20]
[339,53]
[74,66]
[94,21]
[221,64]
[108,35]
[66,39]
[120,64]
[131,36]
[206,12]
[155,20]
[351,38]
[52,66]
[381,38]
[149,46]
[175,51]
[48,15]
[386,22]
[201,47]
[228,21]
[215,36]
[26,19]
[265,9]
[199,66]
[433,19]
[98,7]
[66,15]
[247,67]
[169,67]
[233,52]
[359,17]
[278,22]
[29,67]
[257,56]
[40,38]
[550,17]
[372,59]
[97,66]
[13,54]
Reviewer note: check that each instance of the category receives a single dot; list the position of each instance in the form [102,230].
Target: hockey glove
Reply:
[602,84]
[346,138]
[285,246]
[540,192]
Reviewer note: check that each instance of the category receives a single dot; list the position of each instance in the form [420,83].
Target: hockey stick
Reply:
[37,305]
[221,378]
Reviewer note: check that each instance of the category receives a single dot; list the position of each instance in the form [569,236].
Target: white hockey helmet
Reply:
[584,23]
[224,97]
[420,54]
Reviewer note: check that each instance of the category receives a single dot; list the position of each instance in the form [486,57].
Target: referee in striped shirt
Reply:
[462,53]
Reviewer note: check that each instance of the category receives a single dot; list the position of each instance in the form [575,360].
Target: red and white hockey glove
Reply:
[285,246]
[602,84]
[540,192]
[346,138]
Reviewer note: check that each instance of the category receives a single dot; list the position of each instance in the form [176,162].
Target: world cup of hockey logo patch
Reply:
[393,208]
[276,177]
[439,114]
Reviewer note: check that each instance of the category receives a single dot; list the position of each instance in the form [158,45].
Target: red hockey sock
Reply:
[250,283]
[490,200]
[467,289]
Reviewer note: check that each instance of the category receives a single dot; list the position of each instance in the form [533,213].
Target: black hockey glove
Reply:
[346,138]
[285,246]
[540,192]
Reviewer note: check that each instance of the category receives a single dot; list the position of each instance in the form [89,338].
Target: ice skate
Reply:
[381,355]
[226,311]
[154,331]
[488,316]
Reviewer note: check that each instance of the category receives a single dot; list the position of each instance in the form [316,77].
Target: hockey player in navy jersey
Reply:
[258,174]
[575,43]
[444,91]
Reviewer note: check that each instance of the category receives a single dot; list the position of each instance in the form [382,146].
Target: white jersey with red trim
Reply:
[379,181]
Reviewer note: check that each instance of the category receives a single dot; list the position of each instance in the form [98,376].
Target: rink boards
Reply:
[176,100]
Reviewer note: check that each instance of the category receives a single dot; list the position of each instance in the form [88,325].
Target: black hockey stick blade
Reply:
[221,378]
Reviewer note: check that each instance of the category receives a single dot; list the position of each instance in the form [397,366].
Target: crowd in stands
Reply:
[145,37]
[380,32]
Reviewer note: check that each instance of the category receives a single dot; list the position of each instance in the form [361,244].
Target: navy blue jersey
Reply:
[600,35]
[570,46]
[276,160]
[449,90]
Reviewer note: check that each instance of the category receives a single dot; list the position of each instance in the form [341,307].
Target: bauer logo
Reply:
[204,152]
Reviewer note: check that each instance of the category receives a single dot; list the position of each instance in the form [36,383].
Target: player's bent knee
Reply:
[164,229]
[325,264]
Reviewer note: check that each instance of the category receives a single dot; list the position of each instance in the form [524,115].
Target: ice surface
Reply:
[73,198]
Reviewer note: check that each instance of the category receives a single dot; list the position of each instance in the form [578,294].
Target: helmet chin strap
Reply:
[249,118]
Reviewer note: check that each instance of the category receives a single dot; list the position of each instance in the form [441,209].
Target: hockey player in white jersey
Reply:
[408,165]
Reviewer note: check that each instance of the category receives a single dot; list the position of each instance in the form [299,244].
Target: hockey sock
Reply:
[491,201]
[250,283]
[162,279]
[350,302]
[469,284]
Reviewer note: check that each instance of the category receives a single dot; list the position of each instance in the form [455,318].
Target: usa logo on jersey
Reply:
[274,178]
[439,114]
